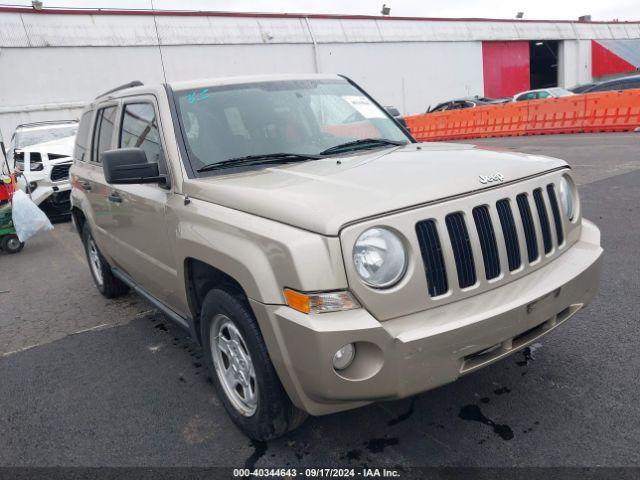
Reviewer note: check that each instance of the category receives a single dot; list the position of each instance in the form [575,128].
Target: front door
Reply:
[138,228]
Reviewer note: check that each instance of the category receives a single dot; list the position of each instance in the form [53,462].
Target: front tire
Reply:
[106,283]
[242,372]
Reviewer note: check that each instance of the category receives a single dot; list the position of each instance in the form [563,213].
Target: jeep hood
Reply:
[324,195]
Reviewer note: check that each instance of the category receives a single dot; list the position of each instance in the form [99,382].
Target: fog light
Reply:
[343,357]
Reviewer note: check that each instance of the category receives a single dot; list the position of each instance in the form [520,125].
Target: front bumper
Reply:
[414,353]
[54,200]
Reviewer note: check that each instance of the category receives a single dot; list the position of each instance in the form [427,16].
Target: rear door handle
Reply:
[86,186]
[114,197]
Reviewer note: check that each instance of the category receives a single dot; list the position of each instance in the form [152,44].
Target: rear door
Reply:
[138,227]
[89,177]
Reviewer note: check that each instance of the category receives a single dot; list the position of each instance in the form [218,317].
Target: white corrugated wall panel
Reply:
[360,31]
[593,30]
[620,32]
[344,30]
[201,30]
[136,30]
[284,30]
[12,33]
[208,30]
[540,31]
[89,30]
[327,30]
[495,31]
[411,31]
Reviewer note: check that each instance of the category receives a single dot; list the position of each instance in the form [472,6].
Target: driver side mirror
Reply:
[130,165]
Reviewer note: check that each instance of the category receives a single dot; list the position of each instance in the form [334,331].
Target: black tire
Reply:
[11,244]
[274,415]
[107,285]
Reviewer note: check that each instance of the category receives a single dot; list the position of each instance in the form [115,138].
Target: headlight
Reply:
[379,257]
[567,197]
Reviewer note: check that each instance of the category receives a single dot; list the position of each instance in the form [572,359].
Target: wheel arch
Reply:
[78,218]
[200,278]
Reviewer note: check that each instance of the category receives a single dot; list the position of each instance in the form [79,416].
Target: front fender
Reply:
[262,255]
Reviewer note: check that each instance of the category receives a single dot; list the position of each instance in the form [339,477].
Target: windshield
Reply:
[303,117]
[36,135]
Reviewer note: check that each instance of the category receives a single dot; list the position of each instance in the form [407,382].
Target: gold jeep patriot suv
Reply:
[321,257]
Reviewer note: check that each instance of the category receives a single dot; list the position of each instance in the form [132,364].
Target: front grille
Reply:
[462,253]
[488,240]
[557,219]
[544,219]
[60,172]
[527,224]
[432,256]
[510,234]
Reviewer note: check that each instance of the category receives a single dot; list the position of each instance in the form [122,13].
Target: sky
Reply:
[533,9]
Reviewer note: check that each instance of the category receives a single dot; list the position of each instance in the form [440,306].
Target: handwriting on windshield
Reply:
[195,97]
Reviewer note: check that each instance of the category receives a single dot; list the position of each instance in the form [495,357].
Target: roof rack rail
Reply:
[135,83]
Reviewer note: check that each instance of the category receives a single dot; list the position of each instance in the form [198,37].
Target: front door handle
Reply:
[114,197]
[86,186]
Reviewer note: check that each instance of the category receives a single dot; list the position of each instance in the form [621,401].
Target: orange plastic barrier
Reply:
[591,112]
[612,111]
[556,115]
[505,120]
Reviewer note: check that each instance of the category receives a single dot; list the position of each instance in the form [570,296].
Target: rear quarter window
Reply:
[82,137]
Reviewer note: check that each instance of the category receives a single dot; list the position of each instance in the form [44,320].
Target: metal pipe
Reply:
[316,56]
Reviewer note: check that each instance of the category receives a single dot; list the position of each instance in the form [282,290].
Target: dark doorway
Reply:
[543,56]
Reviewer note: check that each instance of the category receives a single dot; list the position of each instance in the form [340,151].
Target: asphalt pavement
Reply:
[89,382]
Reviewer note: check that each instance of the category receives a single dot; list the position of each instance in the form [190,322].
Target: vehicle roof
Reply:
[618,79]
[210,82]
[207,82]
[468,99]
[534,90]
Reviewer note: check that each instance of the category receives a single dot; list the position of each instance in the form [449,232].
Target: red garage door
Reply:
[505,68]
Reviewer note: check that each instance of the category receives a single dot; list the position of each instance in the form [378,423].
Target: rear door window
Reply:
[103,132]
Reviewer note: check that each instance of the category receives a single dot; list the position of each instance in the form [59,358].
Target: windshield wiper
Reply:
[361,144]
[263,159]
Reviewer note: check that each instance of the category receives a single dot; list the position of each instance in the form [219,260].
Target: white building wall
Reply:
[50,63]
[574,63]
[410,76]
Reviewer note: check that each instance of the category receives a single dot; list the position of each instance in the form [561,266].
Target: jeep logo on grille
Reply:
[496,177]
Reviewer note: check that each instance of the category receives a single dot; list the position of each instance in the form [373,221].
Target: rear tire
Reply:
[244,376]
[11,244]
[106,283]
